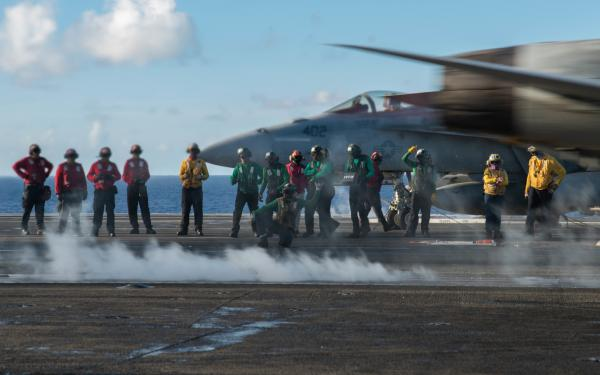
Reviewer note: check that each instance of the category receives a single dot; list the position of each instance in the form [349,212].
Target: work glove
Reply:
[412,149]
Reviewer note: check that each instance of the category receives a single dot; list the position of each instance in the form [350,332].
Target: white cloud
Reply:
[323,97]
[129,31]
[27,47]
[135,31]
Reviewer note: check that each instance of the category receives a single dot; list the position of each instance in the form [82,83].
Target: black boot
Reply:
[263,242]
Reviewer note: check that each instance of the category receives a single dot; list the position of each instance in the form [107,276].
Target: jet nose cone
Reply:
[221,153]
[224,153]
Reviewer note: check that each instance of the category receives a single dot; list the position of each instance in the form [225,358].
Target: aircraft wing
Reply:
[578,88]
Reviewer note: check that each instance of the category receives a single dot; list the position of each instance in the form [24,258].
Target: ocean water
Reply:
[164,193]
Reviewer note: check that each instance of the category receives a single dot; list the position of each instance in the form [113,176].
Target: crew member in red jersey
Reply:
[34,170]
[104,173]
[135,174]
[71,189]
[374,190]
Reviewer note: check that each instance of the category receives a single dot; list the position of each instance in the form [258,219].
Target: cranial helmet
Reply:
[105,152]
[193,148]
[34,148]
[271,157]
[296,156]
[423,155]
[71,153]
[494,158]
[354,150]
[376,156]
[135,149]
[244,152]
[316,149]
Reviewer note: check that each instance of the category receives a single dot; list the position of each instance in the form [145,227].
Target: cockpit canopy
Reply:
[372,102]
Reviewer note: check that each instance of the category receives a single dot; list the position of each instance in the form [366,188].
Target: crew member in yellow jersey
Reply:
[192,173]
[544,176]
[495,181]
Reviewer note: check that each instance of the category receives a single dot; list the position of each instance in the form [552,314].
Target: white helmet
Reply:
[494,158]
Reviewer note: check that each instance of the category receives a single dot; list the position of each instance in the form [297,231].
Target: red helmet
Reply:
[135,149]
[296,156]
[376,156]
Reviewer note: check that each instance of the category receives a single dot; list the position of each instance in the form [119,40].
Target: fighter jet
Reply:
[542,93]
[390,122]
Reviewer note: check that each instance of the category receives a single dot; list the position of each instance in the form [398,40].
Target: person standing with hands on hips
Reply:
[34,170]
[103,174]
[192,173]
[135,174]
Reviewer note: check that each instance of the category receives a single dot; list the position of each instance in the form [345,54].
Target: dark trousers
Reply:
[538,208]
[327,224]
[33,196]
[242,199]
[266,227]
[70,206]
[104,199]
[191,198]
[374,202]
[137,194]
[358,209]
[419,203]
[493,212]
[309,212]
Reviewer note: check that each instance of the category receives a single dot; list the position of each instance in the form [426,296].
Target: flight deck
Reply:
[382,304]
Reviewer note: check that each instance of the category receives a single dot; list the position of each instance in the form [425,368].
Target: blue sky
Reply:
[231,66]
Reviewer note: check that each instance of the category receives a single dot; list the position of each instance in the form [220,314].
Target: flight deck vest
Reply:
[422,182]
[287,211]
[274,177]
[356,174]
